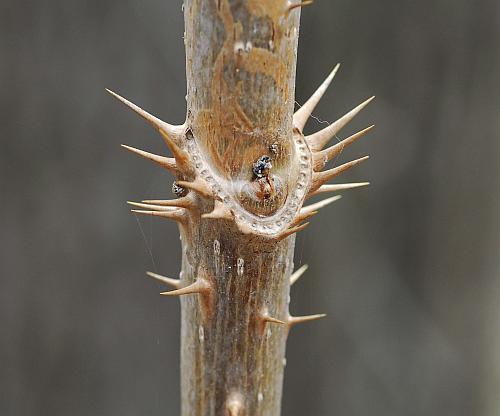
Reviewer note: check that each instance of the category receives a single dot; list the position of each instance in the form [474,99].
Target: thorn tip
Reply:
[296,275]
[303,113]
[319,178]
[337,187]
[165,162]
[321,158]
[318,140]
[175,283]
[294,320]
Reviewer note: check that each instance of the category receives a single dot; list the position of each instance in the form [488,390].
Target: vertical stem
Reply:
[228,349]
[240,64]
[243,170]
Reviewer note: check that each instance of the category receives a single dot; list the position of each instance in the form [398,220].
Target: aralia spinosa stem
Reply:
[243,169]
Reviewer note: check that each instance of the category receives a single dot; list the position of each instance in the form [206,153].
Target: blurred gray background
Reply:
[407,270]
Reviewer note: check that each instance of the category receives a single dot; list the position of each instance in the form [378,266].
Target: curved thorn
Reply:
[165,162]
[199,286]
[337,187]
[296,275]
[321,158]
[175,283]
[303,113]
[294,320]
[319,178]
[154,121]
[318,140]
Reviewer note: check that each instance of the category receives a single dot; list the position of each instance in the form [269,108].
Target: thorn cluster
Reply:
[187,179]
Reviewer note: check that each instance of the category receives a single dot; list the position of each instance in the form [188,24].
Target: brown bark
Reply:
[241,58]
[228,351]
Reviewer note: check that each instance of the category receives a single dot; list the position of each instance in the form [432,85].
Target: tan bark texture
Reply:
[240,67]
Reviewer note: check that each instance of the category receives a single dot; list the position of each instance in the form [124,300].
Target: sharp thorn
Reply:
[303,113]
[154,121]
[311,210]
[319,178]
[294,320]
[165,162]
[151,207]
[318,205]
[337,187]
[199,286]
[263,318]
[318,140]
[302,216]
[296,275]
[198,185]
[169,132]
[321,158]
[175,283]
[177,215]
[273,320]
[291,231]
[181,157]
[183,202]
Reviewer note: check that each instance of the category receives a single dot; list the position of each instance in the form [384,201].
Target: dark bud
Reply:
[189,134]
[179,191]
[261,166]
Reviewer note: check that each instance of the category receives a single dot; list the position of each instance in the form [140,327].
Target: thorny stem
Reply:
[243,171]
[240,64]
